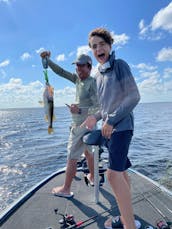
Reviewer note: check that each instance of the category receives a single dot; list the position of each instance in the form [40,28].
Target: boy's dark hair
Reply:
[103,33]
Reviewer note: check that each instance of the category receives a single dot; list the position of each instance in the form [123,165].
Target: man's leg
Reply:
[69,175]
[90,162]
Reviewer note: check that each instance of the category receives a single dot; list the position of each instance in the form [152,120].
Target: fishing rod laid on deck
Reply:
[161,224]
[80,222]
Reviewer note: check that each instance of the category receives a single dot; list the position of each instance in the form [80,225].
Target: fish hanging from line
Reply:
[48,98]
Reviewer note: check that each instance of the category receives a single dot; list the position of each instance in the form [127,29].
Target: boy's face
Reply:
[100,48]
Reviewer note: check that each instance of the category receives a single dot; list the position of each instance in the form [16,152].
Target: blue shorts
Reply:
[117,145]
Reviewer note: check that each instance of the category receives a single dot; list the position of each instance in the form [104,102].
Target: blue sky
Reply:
[142,31]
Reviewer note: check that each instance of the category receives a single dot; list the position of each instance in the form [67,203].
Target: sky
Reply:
[142,32]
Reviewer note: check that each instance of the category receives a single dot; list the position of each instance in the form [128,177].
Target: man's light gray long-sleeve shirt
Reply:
[86,93]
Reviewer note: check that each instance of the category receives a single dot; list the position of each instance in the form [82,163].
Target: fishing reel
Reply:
[66,221]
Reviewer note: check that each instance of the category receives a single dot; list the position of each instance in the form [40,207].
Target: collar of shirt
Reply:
[108,65]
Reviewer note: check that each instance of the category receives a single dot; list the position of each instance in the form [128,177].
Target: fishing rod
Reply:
[168,209]
[159,211]
[81,222]
[74,224]
[69,219]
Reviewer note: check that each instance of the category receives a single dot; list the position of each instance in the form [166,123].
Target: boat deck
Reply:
[38,211]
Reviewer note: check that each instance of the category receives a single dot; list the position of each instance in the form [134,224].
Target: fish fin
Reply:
[41,102]
[46,118]
[50,130]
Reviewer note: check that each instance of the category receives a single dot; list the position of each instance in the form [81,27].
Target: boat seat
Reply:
[94,138]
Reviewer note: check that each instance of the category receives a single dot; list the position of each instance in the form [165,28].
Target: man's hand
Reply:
[107,130]
[90,122]
[74,109]
[45,54]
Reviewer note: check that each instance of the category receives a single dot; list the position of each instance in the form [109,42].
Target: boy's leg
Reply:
[121,191]
[118,147]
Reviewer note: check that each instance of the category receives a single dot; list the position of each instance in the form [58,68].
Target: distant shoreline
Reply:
[16,108]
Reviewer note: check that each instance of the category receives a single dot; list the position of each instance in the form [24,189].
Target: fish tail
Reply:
[51,115]
[50,130]
[51,112]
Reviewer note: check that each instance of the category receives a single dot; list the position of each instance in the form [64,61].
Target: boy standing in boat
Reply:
[118,95]
[86,104]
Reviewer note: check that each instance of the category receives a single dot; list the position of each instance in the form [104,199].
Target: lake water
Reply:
[28,153]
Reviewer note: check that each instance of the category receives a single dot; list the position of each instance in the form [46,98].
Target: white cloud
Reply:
[60,57]
[153,86]
[143,28]
[25,56]
[149,75]
[141,25]
[149,83]
[38,51]
[85,49]
[65,95]
[154,90]
[168,88]
[163,19]
[147,33]
[6,1]
[4,63]
[167,73]
[17,83]
[71,54]
[15,94]
[143,66]
[164,54]
[121,39]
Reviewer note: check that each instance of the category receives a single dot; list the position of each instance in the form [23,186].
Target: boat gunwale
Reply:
[161,187]
[21,200]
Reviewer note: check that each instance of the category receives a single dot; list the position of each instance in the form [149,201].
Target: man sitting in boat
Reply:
[86,104]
